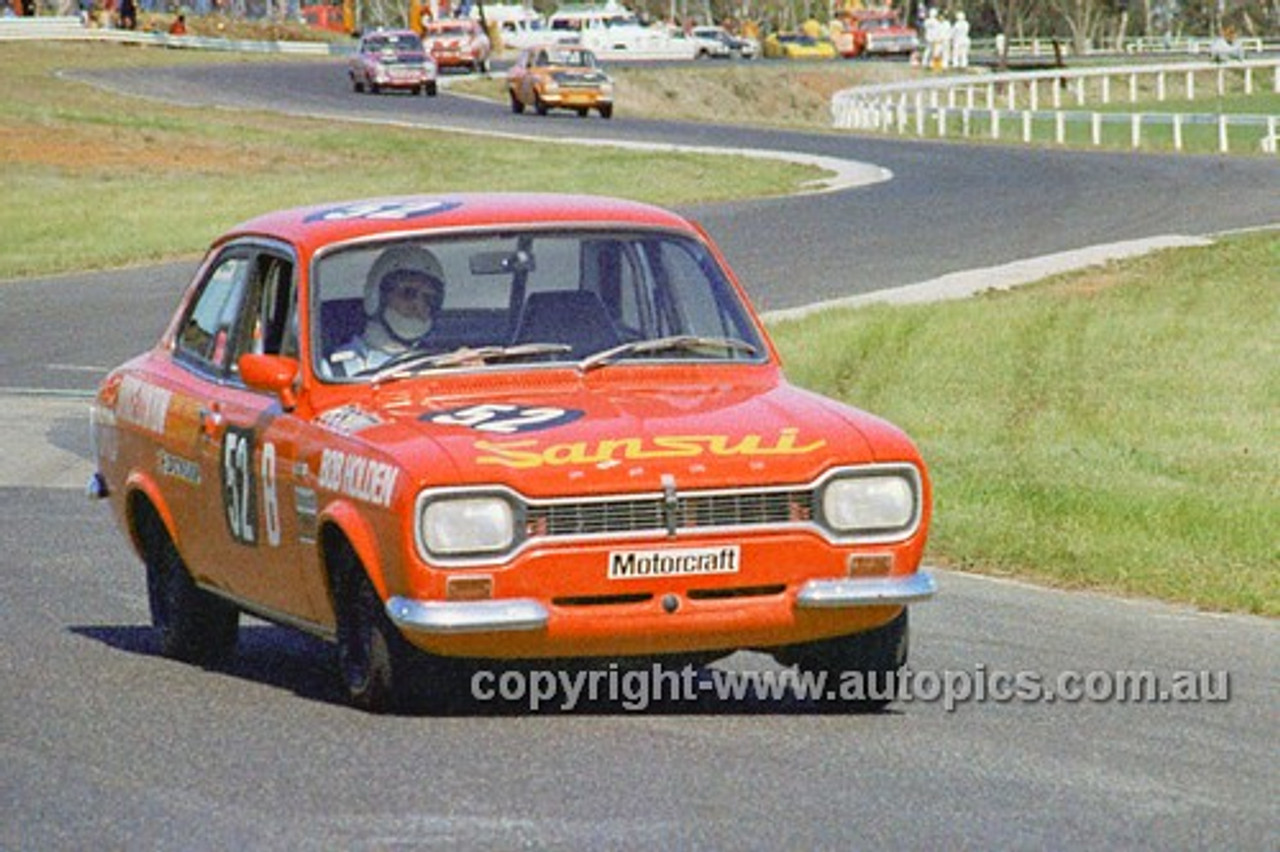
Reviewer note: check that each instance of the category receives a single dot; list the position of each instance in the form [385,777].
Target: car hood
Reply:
[591,434]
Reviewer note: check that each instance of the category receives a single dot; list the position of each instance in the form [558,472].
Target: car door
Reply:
[250,545]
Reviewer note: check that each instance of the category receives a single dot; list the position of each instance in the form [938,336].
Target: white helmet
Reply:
[398,258]
[395,265]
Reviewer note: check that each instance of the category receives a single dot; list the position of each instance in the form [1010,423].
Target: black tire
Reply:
[606,111]
[357,86]
[380,671]
[416,90]
[517,105]
[432,89]
[375,89]
[877,655]
[195,626]
[582,112]
[539,106]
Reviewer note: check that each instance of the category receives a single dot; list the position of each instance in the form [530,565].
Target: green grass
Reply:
[117,180]
[1112,429]
[1115,428]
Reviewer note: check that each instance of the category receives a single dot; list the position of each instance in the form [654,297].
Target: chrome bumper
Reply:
[96,488]
[467,616]
[873,591]
[448,617]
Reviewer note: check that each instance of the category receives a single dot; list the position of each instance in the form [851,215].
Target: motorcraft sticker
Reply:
[358,477]
[504,419]
[144,405]
[645,564]
[530,453]
[383,210]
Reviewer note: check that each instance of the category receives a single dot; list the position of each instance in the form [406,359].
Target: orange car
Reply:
[514,427]
[559,77]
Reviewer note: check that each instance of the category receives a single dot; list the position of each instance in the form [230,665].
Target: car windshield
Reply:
[588,299]
[406,43]
[569,58]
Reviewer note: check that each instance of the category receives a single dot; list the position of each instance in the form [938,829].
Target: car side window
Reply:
[207,329]
[269,324]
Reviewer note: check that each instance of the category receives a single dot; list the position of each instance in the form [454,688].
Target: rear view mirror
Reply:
[272,373]
[502,262]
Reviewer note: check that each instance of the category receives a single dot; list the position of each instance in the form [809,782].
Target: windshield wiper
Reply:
[680,341]
[411,362]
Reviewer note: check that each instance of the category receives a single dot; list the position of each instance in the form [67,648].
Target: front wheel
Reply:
[373,658]
[539,105]
[606,111]
[517,105]
[431,89]
[862,668]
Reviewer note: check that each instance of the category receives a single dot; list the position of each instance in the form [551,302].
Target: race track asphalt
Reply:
[107,745]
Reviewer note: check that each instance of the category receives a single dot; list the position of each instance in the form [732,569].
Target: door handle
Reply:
[210,422]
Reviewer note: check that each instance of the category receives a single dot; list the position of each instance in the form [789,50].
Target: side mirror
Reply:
[272,373]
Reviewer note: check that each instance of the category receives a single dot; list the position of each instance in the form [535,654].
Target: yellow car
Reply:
[557,76]
[798,46]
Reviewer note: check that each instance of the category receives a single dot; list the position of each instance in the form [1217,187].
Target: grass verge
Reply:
[1114,428]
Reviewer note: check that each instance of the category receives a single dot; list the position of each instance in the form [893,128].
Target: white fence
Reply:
[1023,103]
[1037,47]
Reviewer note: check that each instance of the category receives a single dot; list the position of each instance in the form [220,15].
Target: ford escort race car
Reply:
[439,430]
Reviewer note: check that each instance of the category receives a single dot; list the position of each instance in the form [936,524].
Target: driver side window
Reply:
[247,305]
[207,330]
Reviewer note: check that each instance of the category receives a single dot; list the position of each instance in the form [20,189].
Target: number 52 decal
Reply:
[239,488]
[505,419]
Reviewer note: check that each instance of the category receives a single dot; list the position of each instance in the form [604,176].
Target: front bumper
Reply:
[443,618]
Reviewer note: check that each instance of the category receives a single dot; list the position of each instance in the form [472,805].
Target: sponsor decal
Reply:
[527,454]
[348,419]
[505,419]
[145,406]
[306,505]
[177,467]
[643,564]
[102,432]
[383,210]
[359,477]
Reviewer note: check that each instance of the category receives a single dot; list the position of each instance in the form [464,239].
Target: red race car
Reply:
[457,43]
[518,427]
[392,60]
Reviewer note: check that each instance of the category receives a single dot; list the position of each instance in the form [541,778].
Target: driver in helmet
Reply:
[402,295]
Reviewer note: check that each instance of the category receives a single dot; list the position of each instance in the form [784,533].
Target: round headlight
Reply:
[869,504]
[467,525]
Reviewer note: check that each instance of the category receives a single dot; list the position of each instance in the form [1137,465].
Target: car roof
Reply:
[390,34]
[316,226]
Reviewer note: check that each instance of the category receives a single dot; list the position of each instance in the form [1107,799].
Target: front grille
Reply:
[720,510]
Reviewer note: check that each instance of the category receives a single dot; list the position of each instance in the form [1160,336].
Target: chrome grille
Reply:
[738,509]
